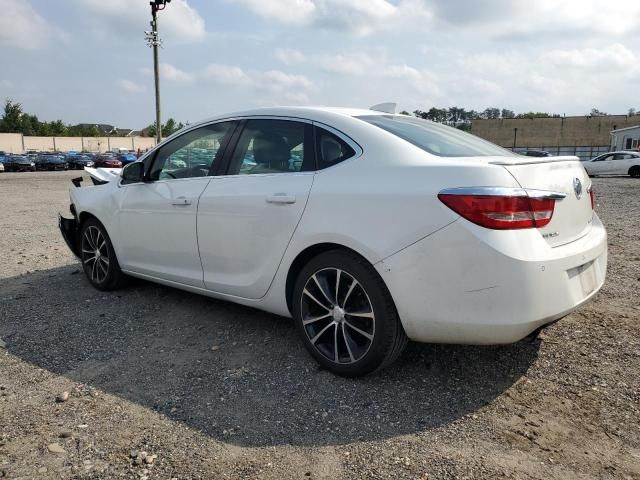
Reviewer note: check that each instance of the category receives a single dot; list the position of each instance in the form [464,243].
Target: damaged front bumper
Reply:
[69,230]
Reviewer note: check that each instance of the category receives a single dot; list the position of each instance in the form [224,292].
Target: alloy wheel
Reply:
[337,315]
[95,254]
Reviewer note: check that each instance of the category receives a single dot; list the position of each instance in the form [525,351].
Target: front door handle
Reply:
[282,198]
[181,201]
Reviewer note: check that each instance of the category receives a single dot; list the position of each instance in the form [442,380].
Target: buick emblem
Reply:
[577,187]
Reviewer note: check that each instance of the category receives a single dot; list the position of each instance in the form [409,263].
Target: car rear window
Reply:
[434,138]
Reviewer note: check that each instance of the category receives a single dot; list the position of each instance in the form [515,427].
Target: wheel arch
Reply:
[304,257]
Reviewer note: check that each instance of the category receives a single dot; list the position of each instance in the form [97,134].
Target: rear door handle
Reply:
[282,198]
[181,201]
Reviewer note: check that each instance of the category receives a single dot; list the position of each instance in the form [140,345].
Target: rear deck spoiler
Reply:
[511,161]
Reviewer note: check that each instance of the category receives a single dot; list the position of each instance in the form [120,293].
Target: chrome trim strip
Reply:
[546,194]
[504,191]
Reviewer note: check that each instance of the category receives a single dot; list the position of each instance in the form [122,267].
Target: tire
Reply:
[634,171]
[102,270]
[360,322]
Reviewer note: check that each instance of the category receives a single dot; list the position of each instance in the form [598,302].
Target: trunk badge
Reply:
[577,187]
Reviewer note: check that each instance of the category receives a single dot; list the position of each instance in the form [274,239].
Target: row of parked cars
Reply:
[32,161]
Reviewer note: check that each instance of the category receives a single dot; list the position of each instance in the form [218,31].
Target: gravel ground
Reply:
[164,384]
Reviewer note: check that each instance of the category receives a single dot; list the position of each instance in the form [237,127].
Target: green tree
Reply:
[11,118]
[58,128]
[597,113]
[508,113]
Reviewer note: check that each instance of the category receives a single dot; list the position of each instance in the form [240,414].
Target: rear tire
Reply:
[346,316]
[634,171]
[98,257]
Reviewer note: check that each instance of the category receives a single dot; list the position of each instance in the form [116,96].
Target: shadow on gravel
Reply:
[239,375]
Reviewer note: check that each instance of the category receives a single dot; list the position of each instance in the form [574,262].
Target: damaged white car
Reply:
[368,228]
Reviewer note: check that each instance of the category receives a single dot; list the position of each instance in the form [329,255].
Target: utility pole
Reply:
[153,40]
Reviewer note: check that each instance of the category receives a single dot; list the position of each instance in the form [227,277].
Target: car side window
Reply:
[273,146]
[603,158]
[331,149]
[192,154]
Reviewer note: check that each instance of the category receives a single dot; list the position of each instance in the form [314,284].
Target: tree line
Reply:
[457,115]
[15,120]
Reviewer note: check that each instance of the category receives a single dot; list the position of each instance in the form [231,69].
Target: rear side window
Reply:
[330,149]
[273,146]
[434,138]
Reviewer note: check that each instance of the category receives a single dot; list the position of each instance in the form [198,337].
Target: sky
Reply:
[86,61]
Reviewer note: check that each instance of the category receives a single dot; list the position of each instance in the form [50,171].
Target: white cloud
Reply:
[289,56]
[181,22]
[283,11]
[615,56]
[22,27]
[226,74]
[280,85]
[361,64]
[174,74]
[130,86]
[524,17]
[359,17]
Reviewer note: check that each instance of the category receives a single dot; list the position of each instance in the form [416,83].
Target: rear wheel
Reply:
[98,257]
[346,316]
[635,171]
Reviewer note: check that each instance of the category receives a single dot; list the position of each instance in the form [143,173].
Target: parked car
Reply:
[107,160]
[537,153]
[126,158]
[19,163]
[78,161]
[51,161]
[614,163]
[387,228]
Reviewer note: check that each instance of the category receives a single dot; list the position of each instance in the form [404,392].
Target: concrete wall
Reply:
[11,142]
[564,131]
[16,143]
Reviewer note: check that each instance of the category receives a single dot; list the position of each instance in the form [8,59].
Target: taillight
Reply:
[592,194]
[502,212]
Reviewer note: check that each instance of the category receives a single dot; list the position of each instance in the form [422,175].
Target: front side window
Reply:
[273,146]
[435,138]
[331,149]
[192,154]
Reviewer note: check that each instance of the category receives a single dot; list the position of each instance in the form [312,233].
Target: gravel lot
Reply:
[215,390]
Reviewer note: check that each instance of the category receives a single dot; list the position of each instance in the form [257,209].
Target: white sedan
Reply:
[368,228]
[614,163]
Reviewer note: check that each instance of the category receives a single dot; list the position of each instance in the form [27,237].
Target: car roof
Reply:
[311,113]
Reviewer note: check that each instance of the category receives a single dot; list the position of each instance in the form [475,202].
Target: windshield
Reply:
[435,138]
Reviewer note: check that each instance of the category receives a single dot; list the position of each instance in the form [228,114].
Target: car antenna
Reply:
[389,107]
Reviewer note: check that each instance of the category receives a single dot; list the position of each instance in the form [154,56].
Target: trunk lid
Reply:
[572,215]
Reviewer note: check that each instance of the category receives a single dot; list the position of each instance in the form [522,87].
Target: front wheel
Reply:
[346,316]
[98,257]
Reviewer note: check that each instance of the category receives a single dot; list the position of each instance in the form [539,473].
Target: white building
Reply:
[626,138]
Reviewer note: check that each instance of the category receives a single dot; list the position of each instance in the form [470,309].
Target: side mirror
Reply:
[133,173]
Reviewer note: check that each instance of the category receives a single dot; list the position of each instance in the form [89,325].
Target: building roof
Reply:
[624,129]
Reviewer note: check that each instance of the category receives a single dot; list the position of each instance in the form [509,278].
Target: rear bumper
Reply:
[69,230]
[454,287]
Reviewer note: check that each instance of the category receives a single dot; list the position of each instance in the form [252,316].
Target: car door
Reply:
[247,217]
[599,165]
[624,162]
[157,218]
